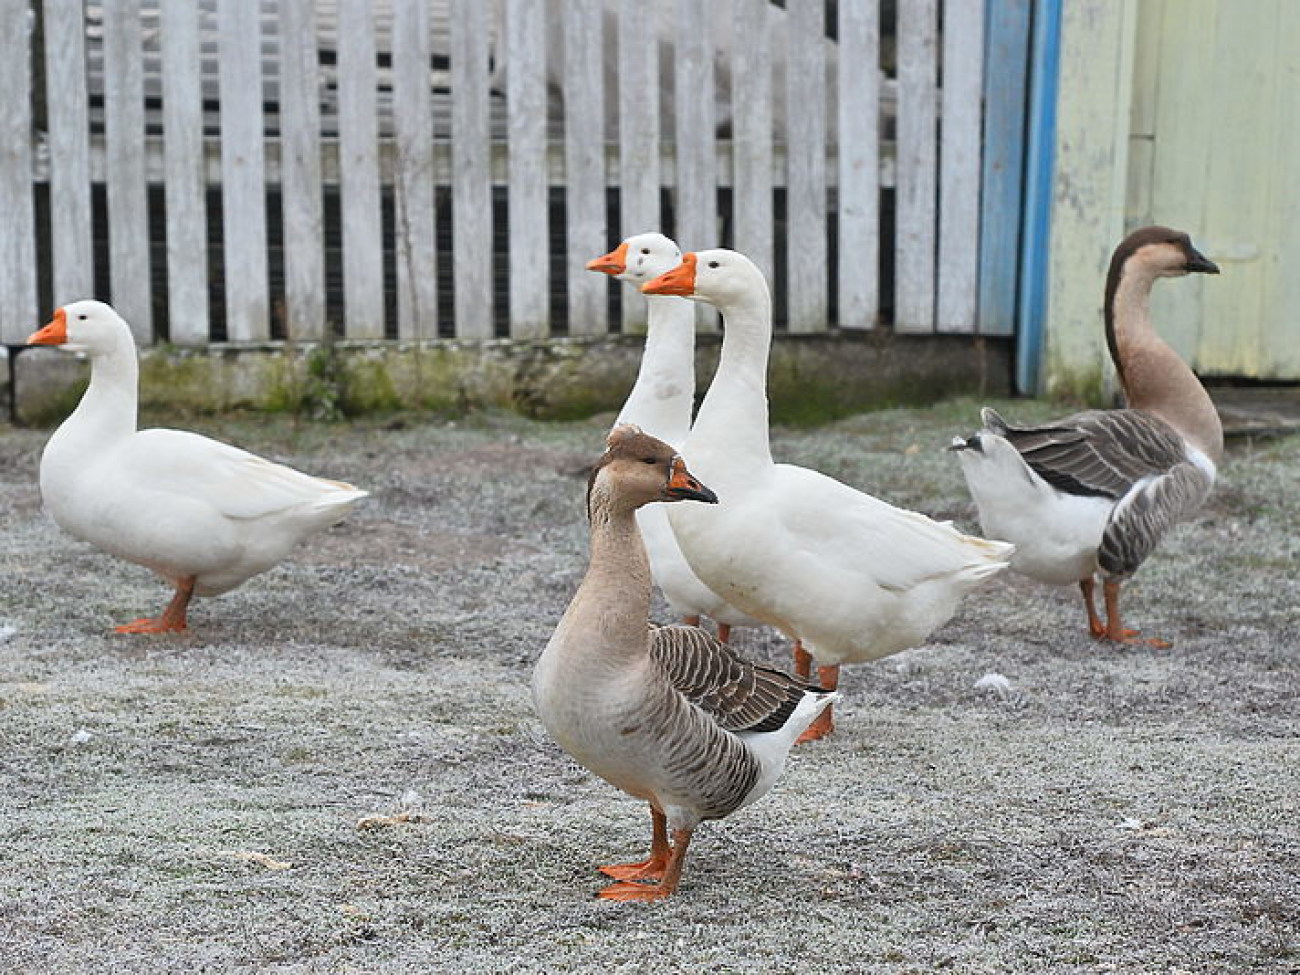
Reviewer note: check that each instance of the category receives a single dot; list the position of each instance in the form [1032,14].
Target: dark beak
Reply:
[682,485]
[1197,261]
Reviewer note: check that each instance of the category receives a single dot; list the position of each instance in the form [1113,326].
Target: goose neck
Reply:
[610,611]
[663,395]
[734,415]
[1154,376]
[108,409]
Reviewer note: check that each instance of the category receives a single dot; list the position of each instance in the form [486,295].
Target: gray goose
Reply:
[1093,493]
[667,714]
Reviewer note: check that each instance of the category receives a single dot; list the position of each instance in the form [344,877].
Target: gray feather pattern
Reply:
[1138,524]
[738,694]
[1101,453]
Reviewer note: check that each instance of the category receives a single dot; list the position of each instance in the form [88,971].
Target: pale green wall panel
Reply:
[1097,38]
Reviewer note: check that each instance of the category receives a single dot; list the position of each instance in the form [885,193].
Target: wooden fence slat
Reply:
[806,204]
[302,210]
[959,162]
[417,278]
[363,230]
[914,264]
[695,195]
[528,246]
[128,207]
[243,153]
[1006,92]
[69,146]
[638,135]
[751,120]
[185,189]
[858,238]
[18,315]
[471,205]
[584,165]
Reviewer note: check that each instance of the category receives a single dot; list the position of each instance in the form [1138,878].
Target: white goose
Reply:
[203,515]
[1093,493]
[847,576]
[670,714]
[660,403]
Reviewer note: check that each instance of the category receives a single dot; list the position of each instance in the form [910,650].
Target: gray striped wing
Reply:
[738,694]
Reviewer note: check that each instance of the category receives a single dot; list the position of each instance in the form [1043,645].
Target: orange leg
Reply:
[172,619]
[1115,629]
[691,620]
[1095,626]
[824,723]
[628,891]
[653,867]
[724,632]
[802,661]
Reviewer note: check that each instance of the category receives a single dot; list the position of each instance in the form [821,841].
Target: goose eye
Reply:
[81,318]
[713,263]
[645,250]
[649,460]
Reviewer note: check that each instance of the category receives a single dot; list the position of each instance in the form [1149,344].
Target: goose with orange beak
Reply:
[660,404]
[848,577]
[202,514]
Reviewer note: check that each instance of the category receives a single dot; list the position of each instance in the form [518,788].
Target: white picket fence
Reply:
[448,166]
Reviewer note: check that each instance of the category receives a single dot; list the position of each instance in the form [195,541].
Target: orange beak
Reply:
[615,262]
[684,486]
[55,333]
[680,281]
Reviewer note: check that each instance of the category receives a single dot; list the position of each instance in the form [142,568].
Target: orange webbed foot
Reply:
[147,624]
[625,891]
[652,869]
[1133,638]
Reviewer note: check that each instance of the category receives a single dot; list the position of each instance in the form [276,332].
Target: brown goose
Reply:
[1095,492]
[667,714]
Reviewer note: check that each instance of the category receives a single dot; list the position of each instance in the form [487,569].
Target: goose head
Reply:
[639,259]
[85,326]
[637,469]
[1158,252]
[719,276]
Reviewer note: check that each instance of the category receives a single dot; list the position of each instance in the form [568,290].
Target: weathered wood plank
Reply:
[184,188]
[302,209]
[417,278]
[959,162]
[751,119]
[807,276]
[128,208]
[363,229]
[471,206]
[18,315]
[1006,94]
[638,135]
[243,201]
[858,93]
[1094,95]
[584,163]
[695,194]
[529,245]
[69,145]
[1189,124]
[915,200]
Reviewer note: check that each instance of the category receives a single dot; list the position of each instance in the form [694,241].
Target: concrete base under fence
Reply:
[811,378]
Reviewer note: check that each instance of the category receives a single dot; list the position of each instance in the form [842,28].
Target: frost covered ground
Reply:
[339,769]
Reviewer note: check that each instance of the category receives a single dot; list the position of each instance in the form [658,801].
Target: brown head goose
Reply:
[847,576]
[660,403]
[669,714]
[1093,493]
[202,514]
